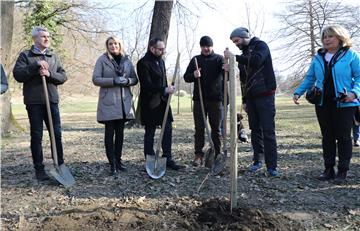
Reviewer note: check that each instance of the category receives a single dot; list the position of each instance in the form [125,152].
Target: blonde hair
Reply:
[340,32]
[116,39]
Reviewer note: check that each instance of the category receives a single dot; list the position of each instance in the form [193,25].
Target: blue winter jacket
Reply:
[345,72]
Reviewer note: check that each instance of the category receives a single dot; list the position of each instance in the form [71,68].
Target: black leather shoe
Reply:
[340,177]
[121,167]
[328,174]
[172,165]
[41,175]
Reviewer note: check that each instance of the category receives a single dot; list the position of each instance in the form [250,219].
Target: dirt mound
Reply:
[214,214]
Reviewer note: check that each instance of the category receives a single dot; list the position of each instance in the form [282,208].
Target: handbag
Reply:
[313,95]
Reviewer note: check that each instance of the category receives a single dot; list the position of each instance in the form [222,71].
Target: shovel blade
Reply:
[155,166]
[209,158]
[63,175]
[219,164]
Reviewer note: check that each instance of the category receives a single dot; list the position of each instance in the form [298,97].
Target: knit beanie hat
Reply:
[241,32]
[206,41]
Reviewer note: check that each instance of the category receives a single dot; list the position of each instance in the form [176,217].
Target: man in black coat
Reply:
[154,92]
[211,79]
[258,87]
[30,66]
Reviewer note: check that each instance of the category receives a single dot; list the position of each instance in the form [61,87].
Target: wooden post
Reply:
[233,134]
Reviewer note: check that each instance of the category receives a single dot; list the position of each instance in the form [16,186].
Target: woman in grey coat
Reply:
[114,74]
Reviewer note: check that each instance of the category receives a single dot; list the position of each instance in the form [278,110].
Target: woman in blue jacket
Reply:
[335,70]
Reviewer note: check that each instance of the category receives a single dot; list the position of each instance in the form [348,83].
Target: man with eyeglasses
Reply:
[30,66]
[258,88]
[154,92]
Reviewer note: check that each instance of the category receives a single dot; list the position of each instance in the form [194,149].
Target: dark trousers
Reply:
[213,110]
[261,115]
[37,114]
[335,124]
[166,140]
[114,149]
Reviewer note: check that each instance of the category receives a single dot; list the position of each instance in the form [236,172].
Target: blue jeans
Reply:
[37,114]
[261,116]
[166,141]
[356,132]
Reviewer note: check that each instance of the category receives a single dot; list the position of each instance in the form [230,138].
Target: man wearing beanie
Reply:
[211,75]
[258,87]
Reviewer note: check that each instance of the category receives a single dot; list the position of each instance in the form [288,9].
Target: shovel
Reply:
[210,153]
[61,173]
[156,165]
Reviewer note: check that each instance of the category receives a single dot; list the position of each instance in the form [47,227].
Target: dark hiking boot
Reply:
[41,175]
[328,174]
[172,165]
[340,177]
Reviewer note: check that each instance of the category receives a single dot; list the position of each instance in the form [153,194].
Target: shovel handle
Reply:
[51,126]
[226,78]
[203,108]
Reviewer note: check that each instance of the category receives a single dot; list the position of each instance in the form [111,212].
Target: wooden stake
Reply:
[233,134]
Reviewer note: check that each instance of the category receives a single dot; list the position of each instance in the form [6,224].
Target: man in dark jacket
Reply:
[211,77]
[154,92]
[30,66]
[258,87]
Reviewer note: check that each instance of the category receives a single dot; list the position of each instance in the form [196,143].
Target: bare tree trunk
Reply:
[161,20]
[312,36]
[7,22]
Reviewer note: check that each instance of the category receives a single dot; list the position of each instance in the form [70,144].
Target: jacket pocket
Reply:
[107,97]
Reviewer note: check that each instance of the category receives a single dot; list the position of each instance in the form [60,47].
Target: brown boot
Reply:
[198,160]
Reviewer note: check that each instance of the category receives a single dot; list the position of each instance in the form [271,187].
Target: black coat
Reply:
[152,76]
[256,70]
[212,77]
[26,71]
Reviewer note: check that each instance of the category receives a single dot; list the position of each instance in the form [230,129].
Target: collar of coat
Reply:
[36,51]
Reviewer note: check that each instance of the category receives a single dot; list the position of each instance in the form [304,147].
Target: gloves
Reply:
[242,59]
[121,81]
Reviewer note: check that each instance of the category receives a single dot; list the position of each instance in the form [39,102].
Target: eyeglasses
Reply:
[160,49]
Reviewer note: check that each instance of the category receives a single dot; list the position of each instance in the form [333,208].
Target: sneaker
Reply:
[198,160]
[172,165]
[41,175]
[255,167]
[242,136]
[273,172]
[356,143]
[121,167]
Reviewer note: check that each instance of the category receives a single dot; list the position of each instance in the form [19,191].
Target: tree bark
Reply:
[7,22]
[160,23]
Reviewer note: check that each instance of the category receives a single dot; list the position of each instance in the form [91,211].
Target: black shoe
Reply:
[41,175]
[328,174]
[172,165]
[340,177]
[121,167]
[113,170]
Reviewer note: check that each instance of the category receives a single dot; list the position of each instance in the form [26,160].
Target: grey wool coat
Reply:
[114,101]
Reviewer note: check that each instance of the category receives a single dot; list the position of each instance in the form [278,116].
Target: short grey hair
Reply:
[37,29]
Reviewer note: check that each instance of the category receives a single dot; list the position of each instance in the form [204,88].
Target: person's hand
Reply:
[170,90]
[349,97]
[296,99]
[43,64]
[44,72]
[227,54]
[197,73]
[244,107]
[121,81]
[226,67]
